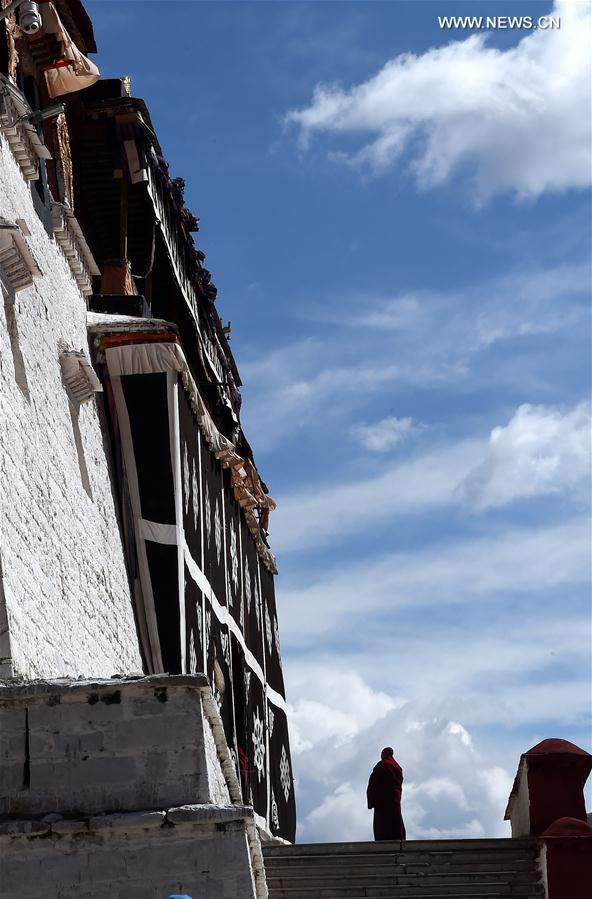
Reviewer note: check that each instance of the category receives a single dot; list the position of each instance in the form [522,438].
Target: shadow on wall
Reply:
[20,372]
[5,655]
[84,476]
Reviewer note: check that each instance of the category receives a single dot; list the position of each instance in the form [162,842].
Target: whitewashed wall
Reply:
[102,746]
[64,595]
[143,859]
[113,790]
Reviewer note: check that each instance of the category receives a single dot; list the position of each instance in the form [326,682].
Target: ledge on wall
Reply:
[23,140]
[17,263]
[79,376]
[138,724]
[69,236]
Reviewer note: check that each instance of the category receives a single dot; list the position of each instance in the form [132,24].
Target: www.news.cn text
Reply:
[499,23]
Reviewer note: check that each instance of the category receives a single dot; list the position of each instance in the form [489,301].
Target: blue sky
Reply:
[397,219]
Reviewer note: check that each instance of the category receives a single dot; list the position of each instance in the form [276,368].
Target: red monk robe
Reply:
[384,796]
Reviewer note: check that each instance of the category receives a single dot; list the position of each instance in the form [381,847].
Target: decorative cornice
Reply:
[79,376]
[125,822]
[26,145]
[69,236]
[17,263]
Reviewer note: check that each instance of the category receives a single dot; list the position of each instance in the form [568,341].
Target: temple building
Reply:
[133,519]
[144,745]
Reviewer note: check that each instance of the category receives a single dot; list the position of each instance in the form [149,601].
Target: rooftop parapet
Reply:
[549,784]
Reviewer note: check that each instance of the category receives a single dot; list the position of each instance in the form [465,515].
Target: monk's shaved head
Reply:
[387,753]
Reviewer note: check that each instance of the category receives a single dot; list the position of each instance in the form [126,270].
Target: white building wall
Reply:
[113,792]
[520,807]
[63,581]
[92,747]
[145,859]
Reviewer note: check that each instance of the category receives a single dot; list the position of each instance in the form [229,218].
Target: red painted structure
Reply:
[547,801]
[557,771]
[569,859]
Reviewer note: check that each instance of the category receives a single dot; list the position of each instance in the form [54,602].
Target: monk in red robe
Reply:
[384,796]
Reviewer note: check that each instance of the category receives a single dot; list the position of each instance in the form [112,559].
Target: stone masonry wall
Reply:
[90,748]
[64,593]
[147,859]
[109,790]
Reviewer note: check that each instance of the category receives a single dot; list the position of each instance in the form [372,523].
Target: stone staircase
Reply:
[415,869]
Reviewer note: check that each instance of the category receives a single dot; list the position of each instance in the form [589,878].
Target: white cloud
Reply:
[324,515]
[514,305]
[421,339]
[451,789]
[383,435]
[313,381]
[407,650]
[466,571]
[348,705]
[519,118]
[470,707]
[541,450]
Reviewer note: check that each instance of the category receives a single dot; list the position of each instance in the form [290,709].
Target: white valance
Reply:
[144,358]
[73,71]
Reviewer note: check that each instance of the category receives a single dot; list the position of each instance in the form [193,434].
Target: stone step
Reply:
[494,887]
[388,846]
[400,858]
[389,894]
[455,857]
[497,891]
[338,863]
[427,869]
[356,877]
